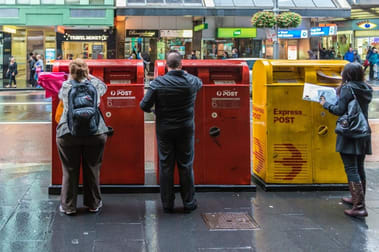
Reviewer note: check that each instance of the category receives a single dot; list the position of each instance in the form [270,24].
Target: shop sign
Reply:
[366,24]
[236,32]
[176,33]
[142,33]
[200,27]
[323,31]
[70,37]
[292,34]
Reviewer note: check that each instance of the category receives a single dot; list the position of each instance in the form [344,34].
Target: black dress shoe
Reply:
[168,210]
[190,209]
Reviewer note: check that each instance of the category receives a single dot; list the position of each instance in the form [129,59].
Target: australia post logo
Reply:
[121,92]
[227,93]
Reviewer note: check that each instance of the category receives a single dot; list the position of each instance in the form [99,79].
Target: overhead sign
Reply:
[291,34]
[324,31]
[366,24]
[85,35]
[200,27]
[142,33]
[176,33]
[236,32]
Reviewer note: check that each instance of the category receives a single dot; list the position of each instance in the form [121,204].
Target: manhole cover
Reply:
[234,221]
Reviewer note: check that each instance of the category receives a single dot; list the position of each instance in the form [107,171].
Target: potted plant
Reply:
[288,19]
[263,19]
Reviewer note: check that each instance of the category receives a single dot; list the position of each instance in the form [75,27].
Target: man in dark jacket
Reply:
[174,96]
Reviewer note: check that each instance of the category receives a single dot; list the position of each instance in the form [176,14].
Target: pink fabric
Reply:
[51,82]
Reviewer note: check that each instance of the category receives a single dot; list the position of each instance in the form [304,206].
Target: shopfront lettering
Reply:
[286,116]
[142,33]
[86,37]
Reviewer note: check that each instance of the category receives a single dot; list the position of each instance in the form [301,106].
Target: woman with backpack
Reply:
[81,137]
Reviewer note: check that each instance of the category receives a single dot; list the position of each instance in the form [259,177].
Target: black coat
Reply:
[12,69]
[363,93]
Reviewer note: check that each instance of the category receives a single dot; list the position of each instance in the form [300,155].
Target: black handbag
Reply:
[353,124]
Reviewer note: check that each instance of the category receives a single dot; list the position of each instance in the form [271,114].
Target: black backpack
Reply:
[83,114]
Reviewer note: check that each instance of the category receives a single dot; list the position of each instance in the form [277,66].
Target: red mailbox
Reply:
[222,119]
[123,161]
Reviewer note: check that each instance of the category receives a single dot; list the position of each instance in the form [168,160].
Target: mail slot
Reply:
[293,139]
[123,161]
[222,123]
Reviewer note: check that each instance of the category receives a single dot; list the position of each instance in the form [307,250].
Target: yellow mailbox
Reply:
[293,140]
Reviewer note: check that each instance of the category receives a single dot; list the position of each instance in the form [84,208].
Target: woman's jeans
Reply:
[354,167]
[371,74]
[12,79]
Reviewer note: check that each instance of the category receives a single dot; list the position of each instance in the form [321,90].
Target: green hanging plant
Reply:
[288,19]
[263,19]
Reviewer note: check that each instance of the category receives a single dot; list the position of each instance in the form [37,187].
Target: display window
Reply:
[85,50]
[364,43]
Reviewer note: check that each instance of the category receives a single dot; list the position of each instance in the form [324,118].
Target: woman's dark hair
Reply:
[226,54]
[353,72]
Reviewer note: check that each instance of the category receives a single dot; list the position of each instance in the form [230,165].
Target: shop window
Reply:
[263,3]
[154,1]
[89,13]
[97,2]
[286,3]
[9,12]
[174,1]
[72,1]
[2,1]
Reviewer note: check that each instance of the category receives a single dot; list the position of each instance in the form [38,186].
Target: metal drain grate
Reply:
[229,221]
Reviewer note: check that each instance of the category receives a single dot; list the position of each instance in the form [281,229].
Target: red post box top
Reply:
[111,71]
[212,71]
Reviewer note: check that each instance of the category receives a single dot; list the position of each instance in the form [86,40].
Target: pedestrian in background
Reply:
[349,55]
[357,58]
[353,150]
[225,55]
[332,53]
[38,66]
[174,96]
[235,53]
[368,54]
[12,72]
[77,150]
[32,70]
[193,55]
[373,60]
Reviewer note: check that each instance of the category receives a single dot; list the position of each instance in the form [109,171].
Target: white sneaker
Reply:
[95,210]
[66,212]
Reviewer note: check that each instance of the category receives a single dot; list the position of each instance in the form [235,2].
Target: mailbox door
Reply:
[226,134]
[123,161]
[327,163]
[289,125]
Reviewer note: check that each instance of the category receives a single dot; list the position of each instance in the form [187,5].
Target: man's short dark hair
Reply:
[174,59]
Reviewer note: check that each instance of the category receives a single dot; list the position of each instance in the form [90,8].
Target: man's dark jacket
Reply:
[363,93]
[174,96]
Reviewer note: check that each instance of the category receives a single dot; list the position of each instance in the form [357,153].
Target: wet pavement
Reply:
[30,220]
[287,221]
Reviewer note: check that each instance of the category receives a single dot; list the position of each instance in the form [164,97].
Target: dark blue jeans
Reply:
[176,146]
[354,167]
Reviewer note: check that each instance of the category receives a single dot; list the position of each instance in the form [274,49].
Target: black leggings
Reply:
[354,167]
[12,79]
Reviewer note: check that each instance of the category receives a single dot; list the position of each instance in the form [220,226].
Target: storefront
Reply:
[144,41]
[294,44]
[5,53]
[86,44]
[180,40]
[366,33]
[229,38]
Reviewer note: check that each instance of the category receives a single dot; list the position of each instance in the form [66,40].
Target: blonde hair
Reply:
[78,69]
